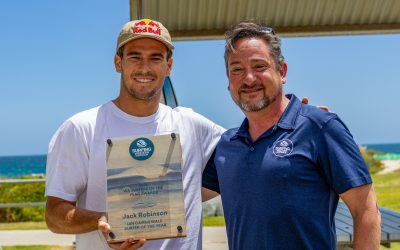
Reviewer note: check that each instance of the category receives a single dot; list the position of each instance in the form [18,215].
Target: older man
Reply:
[281,173]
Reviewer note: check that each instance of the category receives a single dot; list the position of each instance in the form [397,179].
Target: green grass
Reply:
[37,247]
[387,189]
[393,246]
[23,225]
[214,221]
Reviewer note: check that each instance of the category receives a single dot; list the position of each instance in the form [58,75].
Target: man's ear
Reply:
[170,62]
[283,72]
[117,63]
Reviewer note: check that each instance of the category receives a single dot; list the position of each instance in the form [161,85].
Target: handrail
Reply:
[21,180]
[22,204]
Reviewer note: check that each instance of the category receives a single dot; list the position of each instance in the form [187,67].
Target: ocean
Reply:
[18,166]
[393,148]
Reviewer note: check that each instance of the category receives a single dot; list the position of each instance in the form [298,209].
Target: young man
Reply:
[281,173]
[76,166]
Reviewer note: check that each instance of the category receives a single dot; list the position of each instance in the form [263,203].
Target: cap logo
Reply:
[146,26]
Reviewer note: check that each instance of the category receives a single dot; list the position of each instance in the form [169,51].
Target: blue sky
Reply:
[56,59]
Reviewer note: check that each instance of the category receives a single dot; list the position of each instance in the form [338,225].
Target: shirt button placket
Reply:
[250,156]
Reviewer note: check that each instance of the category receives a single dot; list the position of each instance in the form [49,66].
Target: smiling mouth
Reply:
[143,79]
[251,90]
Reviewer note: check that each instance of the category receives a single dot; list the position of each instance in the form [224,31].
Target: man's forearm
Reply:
[207,194]
[367,230]
[64,217]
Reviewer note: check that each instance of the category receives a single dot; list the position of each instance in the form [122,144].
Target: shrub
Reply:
[374,165]
[22,192]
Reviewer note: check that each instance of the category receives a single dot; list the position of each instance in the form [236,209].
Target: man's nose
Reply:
[144,66]
[249,77]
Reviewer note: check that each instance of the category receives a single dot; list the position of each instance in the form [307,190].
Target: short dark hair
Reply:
[120,52]
[249,29]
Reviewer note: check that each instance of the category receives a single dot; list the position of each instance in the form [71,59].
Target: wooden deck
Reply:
[390,231]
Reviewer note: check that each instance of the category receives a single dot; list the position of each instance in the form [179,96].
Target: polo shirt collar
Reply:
[286,121]
[289,116]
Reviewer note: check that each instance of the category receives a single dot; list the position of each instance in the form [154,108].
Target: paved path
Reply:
[34,237]
[214,238]
[390,166]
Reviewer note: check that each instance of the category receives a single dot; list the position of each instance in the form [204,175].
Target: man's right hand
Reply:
[305,101]
[128,244]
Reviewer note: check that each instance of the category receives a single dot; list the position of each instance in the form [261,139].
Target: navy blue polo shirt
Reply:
[281,191]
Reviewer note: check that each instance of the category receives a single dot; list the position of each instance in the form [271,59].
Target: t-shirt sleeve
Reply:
[210,176]
[207,134]
[210,137]
[340,159]
[67,163]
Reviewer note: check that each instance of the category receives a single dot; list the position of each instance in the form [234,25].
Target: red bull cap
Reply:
[144,28]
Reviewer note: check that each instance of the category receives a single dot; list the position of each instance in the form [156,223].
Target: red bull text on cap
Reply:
[144,28]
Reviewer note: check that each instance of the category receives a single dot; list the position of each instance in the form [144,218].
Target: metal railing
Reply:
[22,204]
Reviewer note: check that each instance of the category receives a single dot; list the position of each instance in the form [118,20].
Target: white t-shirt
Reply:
[76,162]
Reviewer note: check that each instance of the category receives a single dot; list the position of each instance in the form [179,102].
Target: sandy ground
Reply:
[390,166]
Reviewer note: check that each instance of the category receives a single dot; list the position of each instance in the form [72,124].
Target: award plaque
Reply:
[144,188]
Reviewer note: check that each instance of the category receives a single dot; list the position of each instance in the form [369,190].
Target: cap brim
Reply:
[169,45]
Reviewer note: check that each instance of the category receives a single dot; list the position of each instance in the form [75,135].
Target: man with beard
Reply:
[281,173]
[76,165]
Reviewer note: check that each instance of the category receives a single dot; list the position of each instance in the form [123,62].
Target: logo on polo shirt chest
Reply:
[283,147]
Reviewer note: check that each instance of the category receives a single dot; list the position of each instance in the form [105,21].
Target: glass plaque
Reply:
[144,188]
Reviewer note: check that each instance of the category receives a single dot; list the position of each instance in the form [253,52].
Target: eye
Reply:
[157,59]
[134,58]
[236,70]
[260,67]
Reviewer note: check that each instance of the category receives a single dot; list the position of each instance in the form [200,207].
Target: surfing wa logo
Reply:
[141,149]
[283,147]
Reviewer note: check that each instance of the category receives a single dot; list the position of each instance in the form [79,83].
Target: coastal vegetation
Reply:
[387,188]
[18,193]
[374,165]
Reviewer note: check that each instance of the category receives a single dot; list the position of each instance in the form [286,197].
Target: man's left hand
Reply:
[128,244]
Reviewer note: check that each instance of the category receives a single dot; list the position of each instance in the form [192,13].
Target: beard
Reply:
[148,96]
[248,106]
